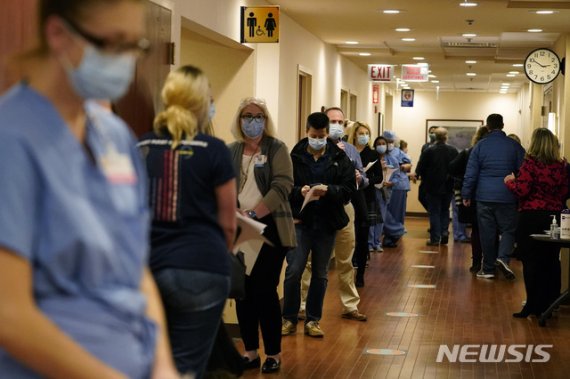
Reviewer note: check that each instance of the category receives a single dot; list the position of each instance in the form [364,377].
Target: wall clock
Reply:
[542,66]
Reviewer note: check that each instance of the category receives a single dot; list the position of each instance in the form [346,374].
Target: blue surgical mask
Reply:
[101,76]
[317,143]
[390,146]
[363,139]
[212,111]
[336,131]
[381,149]
[253,128]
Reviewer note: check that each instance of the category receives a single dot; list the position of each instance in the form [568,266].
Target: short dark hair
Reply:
[318,120]
[495,121]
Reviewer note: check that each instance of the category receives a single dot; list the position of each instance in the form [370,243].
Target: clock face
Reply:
[542,66]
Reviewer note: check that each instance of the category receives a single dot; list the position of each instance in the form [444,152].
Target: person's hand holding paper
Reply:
[314,193]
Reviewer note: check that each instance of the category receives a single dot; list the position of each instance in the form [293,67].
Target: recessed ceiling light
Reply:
[469,35]
[505,84]
[511,75]
[432,76]
[435,81]
[351,42]
[468,4]
[390,11]
[471,74]
[364,54]
[518,65]
[402,29]
[408,39]
[534,30]
[471,62]
[513,72]
[418,58]
[544,11]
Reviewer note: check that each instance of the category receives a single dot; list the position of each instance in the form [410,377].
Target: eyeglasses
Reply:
[249,117]
[340,122]
[140,47]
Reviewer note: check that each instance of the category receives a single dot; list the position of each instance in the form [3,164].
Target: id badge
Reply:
[118,167]
[260,160]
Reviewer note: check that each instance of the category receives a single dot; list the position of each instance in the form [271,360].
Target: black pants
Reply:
[261,307]
[541,263]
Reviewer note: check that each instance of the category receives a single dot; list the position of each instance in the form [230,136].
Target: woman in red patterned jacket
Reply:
[541,187]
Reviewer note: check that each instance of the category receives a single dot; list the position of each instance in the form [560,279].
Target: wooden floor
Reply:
[462,309]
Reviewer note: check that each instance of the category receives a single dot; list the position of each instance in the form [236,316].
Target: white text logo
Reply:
[494,353]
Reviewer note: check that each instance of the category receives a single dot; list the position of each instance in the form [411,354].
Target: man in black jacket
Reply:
[323,172]
[433,168]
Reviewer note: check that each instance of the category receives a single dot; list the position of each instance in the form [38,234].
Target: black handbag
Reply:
[237,288]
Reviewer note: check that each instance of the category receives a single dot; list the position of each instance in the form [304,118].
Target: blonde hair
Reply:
[186,98]
[355,126]
[269,129]
[479,134]
[544,146]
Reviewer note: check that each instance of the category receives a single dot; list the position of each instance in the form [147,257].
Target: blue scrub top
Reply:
[83,230]
[399,178]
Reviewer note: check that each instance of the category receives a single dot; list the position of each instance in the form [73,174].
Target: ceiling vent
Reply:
[469,44]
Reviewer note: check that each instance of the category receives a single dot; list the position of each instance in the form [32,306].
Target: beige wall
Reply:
[230,71]
[410,123]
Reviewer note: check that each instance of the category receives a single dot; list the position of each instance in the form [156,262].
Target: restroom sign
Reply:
[260,24]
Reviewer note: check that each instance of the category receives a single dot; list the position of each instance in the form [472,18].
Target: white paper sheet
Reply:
[387,173]
[250,240]
[369,165]
[310,196]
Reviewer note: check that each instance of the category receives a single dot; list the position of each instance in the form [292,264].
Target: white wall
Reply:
[410,123]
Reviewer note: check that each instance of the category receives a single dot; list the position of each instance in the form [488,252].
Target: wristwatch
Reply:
[251,214]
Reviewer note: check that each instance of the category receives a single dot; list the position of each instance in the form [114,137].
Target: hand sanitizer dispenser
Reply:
[554,231]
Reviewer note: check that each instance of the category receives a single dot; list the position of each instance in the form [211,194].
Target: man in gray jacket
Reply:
[493,158]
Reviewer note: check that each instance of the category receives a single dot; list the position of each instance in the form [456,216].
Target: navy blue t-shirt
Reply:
[185,230]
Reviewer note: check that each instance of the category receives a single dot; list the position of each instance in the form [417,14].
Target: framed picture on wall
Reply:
[459,132]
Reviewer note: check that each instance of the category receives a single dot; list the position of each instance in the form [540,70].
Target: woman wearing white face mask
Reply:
[77,300]
[264,184]
[360,138]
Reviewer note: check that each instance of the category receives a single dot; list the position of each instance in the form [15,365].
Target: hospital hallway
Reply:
[460,310]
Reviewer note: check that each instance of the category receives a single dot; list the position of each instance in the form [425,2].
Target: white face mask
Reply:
[317,144]
[363,139]
[101,76]
[336,131]
[391,146]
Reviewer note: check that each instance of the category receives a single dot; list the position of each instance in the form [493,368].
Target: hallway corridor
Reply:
[461,309]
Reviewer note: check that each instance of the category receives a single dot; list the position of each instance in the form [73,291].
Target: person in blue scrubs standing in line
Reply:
[76,299]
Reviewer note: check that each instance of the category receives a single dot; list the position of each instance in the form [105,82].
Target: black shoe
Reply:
[524,313]
[432,243]
[359,282]
[444,240]
[247,364]
[505,269]
[270,365]
[475,268]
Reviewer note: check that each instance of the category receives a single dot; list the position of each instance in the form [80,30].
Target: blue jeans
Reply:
[496,219]
[320,244]
[438,209]
[459,232]
[193,302]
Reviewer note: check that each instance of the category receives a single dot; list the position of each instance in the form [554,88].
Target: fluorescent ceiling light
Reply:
[513,72]
[534,30]
[468,4]
[364,54]
[469,35]
[432,76]
[351,42]
[435,81]
[511,75]
[418,58]
[402,29]
[544,11]
[408,39]
[471,74]
[518,65]
[390,11]
[505,84]
[471,62]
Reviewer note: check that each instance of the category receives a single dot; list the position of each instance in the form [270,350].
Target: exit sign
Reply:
[380,72]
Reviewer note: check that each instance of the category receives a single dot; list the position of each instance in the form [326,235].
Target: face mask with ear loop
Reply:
[99,75]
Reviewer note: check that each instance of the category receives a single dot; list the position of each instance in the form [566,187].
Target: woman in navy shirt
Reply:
[192,194]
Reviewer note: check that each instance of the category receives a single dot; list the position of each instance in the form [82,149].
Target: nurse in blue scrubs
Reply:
[75,298]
